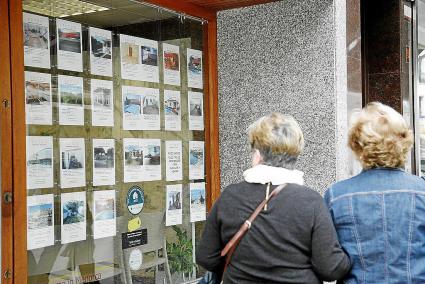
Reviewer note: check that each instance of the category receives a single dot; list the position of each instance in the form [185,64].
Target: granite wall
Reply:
[282,57]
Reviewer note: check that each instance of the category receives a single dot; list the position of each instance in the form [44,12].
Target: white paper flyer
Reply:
[197,202]
[36,41]
[174,205]
[196,111]
[40,221]
[196,160]
[39,158]
[38,98]
[172,109]
[68,35]
[173,160]
[149,59]
[142,159]
[194,69]
[103,162]
[140,108]
[131,67]
[104,214]
[100,52]
[102,102]
[72,162]
[71,100]
[73,217]
[171,64]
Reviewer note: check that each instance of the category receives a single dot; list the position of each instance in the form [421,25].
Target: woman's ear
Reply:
[256,158]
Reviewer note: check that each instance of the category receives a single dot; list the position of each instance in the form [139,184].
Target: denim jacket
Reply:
[379,216]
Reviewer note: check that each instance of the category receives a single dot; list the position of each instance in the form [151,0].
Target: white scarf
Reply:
[264,174]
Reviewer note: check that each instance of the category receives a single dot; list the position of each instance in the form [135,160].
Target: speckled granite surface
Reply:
[278,57]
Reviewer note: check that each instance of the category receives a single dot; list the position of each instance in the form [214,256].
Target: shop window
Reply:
[115,142]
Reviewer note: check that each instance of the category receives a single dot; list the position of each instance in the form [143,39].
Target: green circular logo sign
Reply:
[135,199]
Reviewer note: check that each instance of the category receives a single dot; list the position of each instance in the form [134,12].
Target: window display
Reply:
[115,143]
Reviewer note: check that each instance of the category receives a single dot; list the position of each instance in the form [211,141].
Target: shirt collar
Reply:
[275,175]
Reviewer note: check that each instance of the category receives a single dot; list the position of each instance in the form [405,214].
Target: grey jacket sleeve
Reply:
[208,252]
[328,258]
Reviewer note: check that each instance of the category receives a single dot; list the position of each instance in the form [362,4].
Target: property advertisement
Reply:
[196,111]
[196,160]
[102,102]
[140,108]
[142,159]
[103,162]
[100,52]
[173,160]
[131,67]
[104,214]
[71,100]
[149,60]
[174,205]
[36,41]
[194,69]
[172,110]
[40,221]
[197,202]
[73,217]
[171,57]
[69,43]
[39,158]
[72,162]
[38,98]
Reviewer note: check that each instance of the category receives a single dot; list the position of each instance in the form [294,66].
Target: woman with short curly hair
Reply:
[379,214]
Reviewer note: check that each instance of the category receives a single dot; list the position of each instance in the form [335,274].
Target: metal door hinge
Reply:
[6,103]
[8,197]
[7,274]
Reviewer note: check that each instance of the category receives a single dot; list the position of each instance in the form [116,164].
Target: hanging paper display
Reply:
[196,160]
[197,202]
[142,159]
[171,64]
[172,109]
[196,111]
[39,157]
[71,100]
[194,69]
[103,162]
[36,41]
[104,214]
[173,160]
[69,43]
[100,52]
[140,108]
[139,59]
[102,101]
[38,98]
[174,205]
[72,162]
[40,221]
[73,217]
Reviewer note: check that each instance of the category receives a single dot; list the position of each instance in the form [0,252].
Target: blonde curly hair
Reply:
[379,137]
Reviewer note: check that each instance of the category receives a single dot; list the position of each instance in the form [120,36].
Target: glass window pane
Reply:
[115,142]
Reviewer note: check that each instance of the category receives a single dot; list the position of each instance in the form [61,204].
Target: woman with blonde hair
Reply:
[379,214]
[292,240]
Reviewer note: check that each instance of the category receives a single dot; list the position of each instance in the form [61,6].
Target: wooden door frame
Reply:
[6,144]
[13,136]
